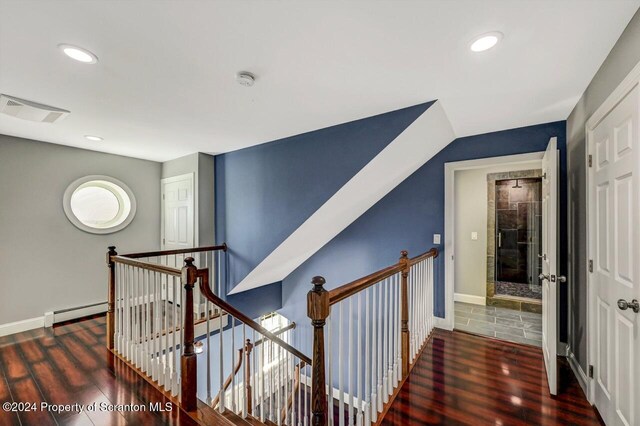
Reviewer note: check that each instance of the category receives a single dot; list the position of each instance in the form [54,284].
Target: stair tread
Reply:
[236,419]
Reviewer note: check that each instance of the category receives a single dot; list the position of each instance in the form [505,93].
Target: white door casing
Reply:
[549,283]
[178,212]
[614,238]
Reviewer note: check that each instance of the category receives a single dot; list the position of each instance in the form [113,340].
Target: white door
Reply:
[614,230]
[177,223]
[549,276]
[177,227]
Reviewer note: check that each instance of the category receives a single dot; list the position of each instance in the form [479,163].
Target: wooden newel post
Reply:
[404,312]
[111,297]
[188,362]
[248,347]
[318,309]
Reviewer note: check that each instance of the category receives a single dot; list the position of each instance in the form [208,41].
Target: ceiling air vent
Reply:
[32,111]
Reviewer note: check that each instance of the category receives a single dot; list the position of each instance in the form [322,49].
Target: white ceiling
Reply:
[165,82]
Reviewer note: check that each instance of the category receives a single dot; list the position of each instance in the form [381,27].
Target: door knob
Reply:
[543,277]
[624,305]
[562,278]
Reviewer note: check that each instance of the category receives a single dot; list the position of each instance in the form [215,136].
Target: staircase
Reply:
[168,321]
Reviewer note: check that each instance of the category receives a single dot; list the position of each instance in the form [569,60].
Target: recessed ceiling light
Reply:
[93,138]
[485,41]
[78,53]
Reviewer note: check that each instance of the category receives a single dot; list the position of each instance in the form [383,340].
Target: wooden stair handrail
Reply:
[222,247]
[338,294]
[147,265]
[203,275]
[431,253]
[229,378]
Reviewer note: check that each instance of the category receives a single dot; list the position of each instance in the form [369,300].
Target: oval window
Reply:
[99,204]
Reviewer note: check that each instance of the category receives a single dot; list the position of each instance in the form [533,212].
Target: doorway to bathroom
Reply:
[498,252]
[514,257]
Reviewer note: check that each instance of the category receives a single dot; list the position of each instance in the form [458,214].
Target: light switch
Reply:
[436,238]
[474,236]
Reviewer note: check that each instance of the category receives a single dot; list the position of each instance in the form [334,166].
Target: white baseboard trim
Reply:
[468,298]
[50,318]
[583,380]
[20,326]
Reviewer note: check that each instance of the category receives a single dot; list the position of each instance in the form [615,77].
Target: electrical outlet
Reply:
[436,238]
[474,236]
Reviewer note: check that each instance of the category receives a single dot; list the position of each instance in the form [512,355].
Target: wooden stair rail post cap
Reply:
[318,309]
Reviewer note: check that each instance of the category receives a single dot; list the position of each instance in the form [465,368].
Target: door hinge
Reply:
[163,196]
[591,371]
[590,160]
[590,265]
[163,242]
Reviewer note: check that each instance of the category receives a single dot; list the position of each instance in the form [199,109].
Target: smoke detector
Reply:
[245,78]
[31,111]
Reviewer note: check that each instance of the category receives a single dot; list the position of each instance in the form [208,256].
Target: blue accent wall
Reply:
[407,218]
[264,193]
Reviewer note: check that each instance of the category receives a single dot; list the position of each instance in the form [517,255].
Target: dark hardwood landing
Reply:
[462,379]
[70,364]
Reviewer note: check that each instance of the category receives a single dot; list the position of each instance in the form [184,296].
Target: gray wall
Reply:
[202,166]
[622,58]
[46,263]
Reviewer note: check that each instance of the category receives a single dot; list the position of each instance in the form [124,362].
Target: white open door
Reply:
[549,276]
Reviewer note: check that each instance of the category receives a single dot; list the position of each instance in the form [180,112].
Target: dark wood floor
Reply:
[70,364]
[462,379]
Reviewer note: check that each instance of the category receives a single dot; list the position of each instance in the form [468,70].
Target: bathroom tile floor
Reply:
[504,324]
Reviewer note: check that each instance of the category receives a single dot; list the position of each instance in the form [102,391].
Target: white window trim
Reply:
[66,204]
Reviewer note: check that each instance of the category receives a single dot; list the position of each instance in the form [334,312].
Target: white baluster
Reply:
[221,401]
[271,384]
[208,338]
[380,346]
[389,320]
[254,375]
[280,387]
[330,369]
[374,353]
[245,383]
[262,394]
[340,362]
[385,339]
[116,339]
[351,359]
[359,418]
[166,365]
[128,314]
[367,357]
[233,362]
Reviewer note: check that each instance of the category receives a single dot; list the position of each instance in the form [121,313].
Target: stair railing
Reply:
[153,312]
[157,302]
[376,327]
[266,385]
